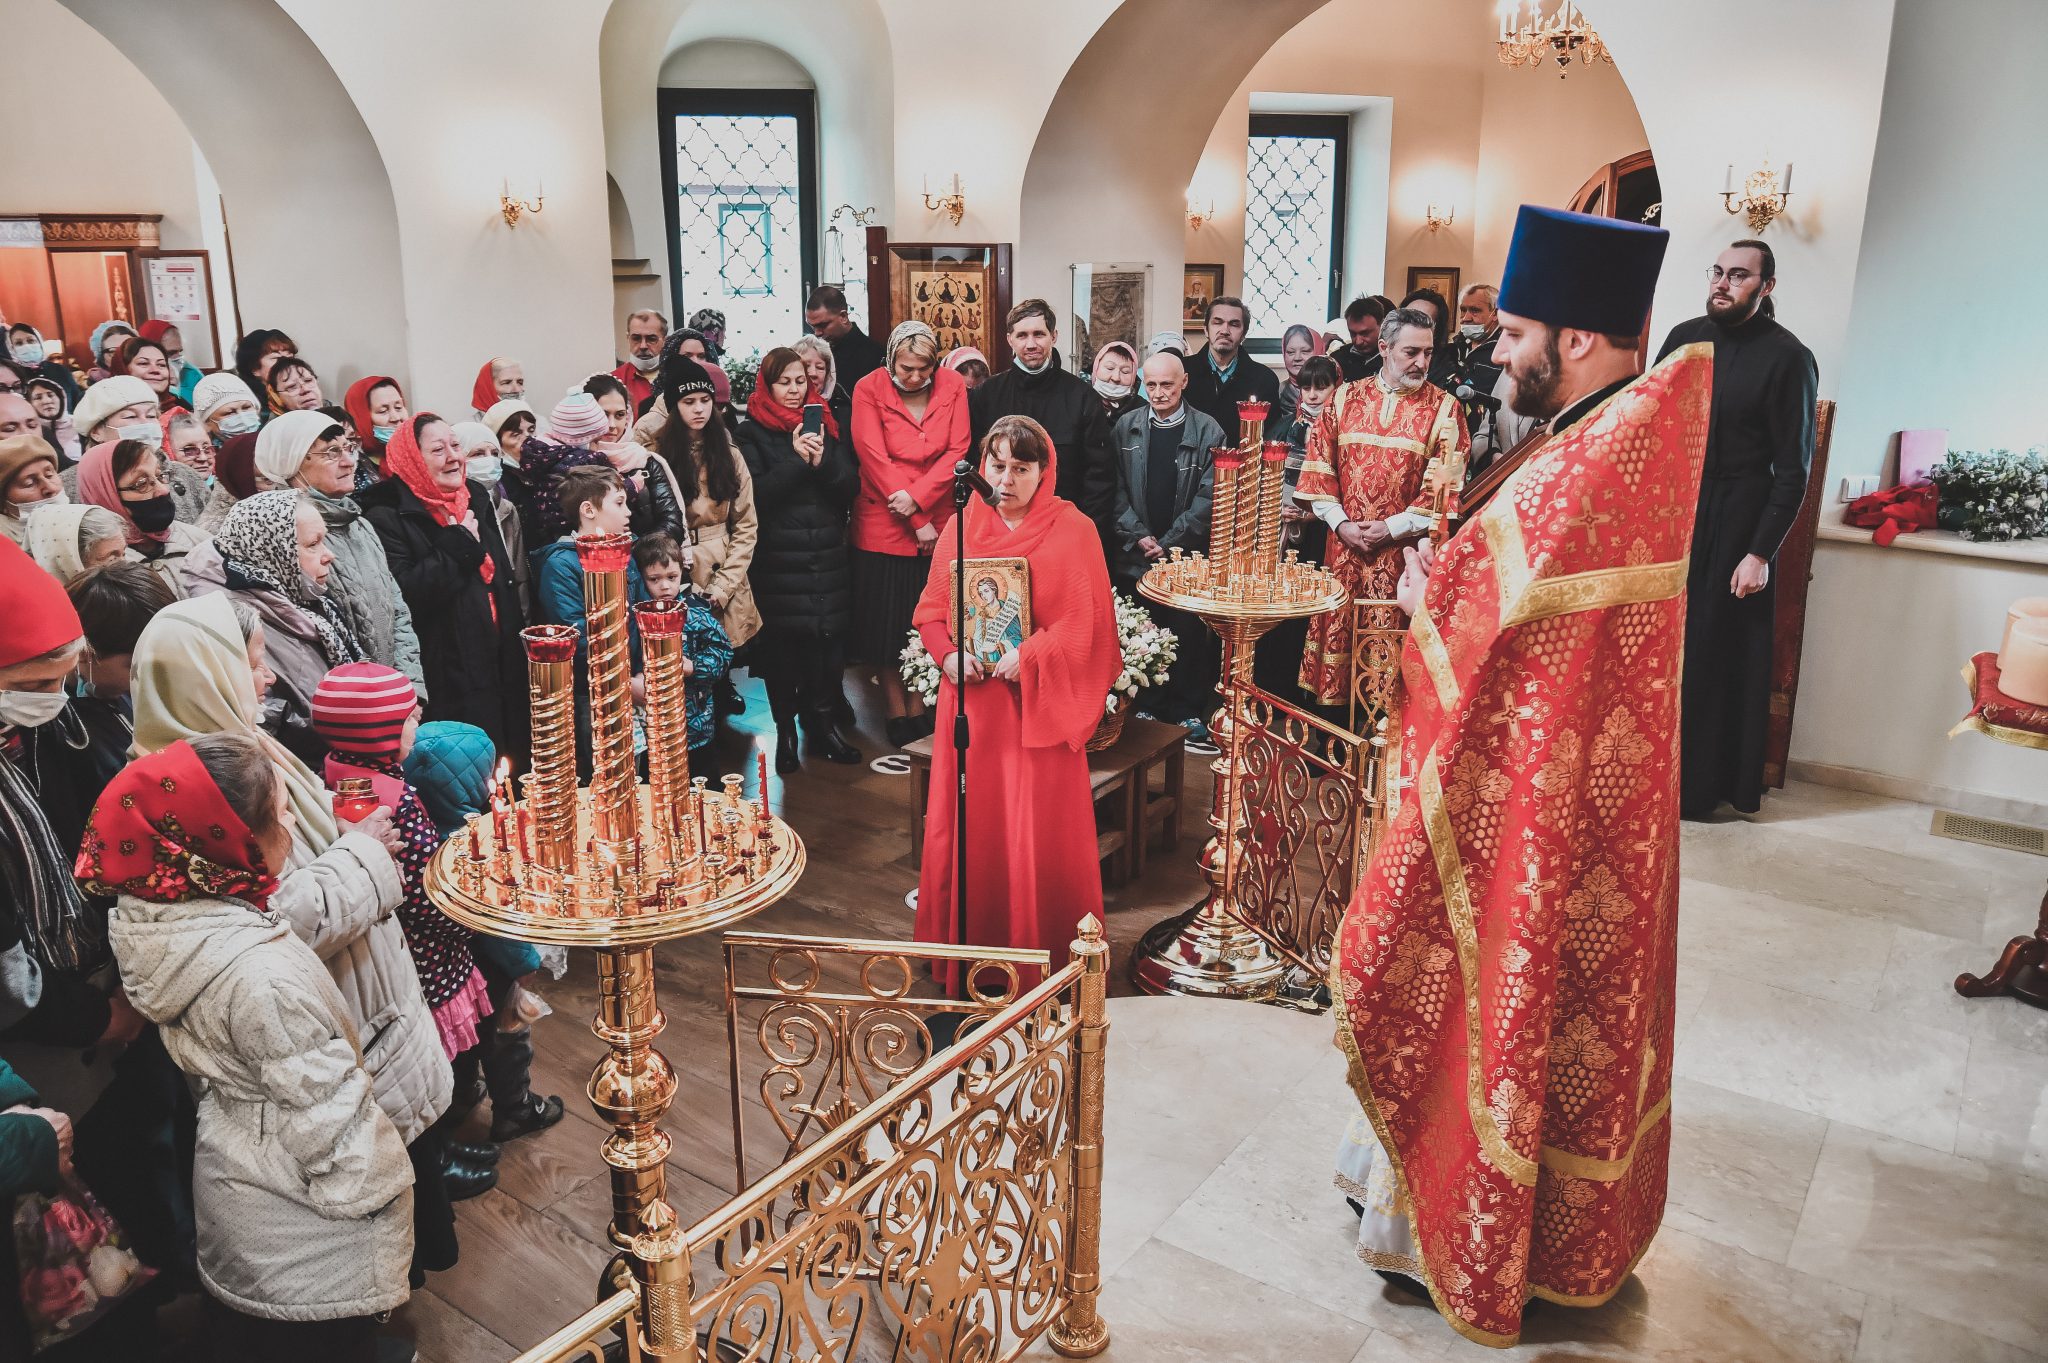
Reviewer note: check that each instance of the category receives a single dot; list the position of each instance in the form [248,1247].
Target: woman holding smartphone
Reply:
[804,478]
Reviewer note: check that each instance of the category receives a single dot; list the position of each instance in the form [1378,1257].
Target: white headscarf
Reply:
[282,444]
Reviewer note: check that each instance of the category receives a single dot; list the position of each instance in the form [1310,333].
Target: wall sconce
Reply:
[1437,221]
[512,208]
[953,205]
[835,240]
[1198,217]
[1761,199]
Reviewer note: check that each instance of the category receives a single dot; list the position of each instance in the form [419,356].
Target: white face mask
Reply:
[485,468]
[1115,392]
[29,352]
[31,709]
[1471,331]
[27,510]
[148,432]
[647,364]
[240,423]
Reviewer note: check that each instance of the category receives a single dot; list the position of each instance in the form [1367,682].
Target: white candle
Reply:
[1728,180]
[1786,188]
[2023,663]
[2026,608]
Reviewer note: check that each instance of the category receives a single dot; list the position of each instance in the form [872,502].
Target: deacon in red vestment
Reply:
[1503,980]
[1363,476]
[1032,870]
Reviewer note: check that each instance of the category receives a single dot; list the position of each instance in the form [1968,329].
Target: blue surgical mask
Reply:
[241,423]
[29,352]
[383,434]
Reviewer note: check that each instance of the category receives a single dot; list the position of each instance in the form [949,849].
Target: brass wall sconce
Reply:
[1437,220]
[513,208]
[1199,217]
[953,205]
[1761,199]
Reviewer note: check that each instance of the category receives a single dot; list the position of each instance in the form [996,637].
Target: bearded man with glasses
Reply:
[1759,450]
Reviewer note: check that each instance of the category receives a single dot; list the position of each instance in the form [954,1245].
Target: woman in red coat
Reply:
[910,427]
[1032,871]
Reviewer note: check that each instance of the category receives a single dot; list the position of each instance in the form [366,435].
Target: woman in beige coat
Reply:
[301,1184]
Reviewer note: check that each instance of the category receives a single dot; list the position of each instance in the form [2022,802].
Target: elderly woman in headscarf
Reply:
[132,479]
[227,407]
[26,346]
[500,379]
[376,408]
[823,367]
[126,408]
[52,402]
[486,464]
[309,451]
[107,340]
[970,364]
[200,669]
[69,539]
[29,484]
[271,554]
[1114,377]
[910,426]
[451,564]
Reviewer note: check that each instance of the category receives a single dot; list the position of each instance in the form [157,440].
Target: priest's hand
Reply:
[1009,667]
[953,665]
[1751,576]
[1415,566]
[1363,539]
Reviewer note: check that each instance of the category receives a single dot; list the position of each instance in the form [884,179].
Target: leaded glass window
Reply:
[1294,220]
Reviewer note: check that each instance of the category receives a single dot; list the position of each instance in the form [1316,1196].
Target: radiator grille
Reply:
[2013,837]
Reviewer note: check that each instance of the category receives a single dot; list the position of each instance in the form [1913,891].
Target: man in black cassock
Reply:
[855,354]
[1759,448]
[1065,404]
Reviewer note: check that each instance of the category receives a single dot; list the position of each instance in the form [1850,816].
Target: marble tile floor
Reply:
[1860,1158]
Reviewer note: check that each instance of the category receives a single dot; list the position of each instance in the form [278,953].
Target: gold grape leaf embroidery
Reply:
[1579,1046]
[1620,741]
[1599,893]
[1474,782]
[1417,955]
[1513,1109]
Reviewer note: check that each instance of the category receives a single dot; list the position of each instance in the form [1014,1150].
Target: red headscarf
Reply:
[1073,654]
[483,394]
[236,467]
[162,832]
[357,403]
[404,461]
[96,485]
[153,330]
[39,616]
[762,407]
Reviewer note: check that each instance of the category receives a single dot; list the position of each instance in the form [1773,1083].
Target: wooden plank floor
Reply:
[532,1247]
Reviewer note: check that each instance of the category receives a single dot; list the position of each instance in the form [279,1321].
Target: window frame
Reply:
[672,103]
[1325,127]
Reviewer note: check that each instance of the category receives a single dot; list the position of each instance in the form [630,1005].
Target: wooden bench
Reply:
[1129,813]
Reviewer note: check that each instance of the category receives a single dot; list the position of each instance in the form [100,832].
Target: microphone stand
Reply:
[963,492]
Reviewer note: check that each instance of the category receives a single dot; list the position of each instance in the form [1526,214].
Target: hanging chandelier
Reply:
[1533,39]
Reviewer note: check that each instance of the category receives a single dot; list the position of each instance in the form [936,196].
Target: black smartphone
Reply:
[814,418]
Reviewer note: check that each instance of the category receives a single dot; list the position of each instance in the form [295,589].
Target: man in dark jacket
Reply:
[1360,358]
[1065,404]
[1165,467]
[1759,448]
[1221,375]
[855,354]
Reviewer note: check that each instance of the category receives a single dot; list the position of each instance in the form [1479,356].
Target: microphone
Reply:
[1465,392]
[964,472]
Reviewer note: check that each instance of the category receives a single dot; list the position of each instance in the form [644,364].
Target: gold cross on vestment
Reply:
[1533,888]
[1477,1221]
[1512,715]
[1591,519]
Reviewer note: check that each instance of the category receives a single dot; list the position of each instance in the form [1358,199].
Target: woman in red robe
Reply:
[1032,870]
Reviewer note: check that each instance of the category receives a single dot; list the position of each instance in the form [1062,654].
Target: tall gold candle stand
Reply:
[619,867]
[1241,588]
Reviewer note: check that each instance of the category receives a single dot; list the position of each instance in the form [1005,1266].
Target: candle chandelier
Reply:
[1531,39]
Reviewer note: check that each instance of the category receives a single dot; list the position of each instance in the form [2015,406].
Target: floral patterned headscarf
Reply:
[163,832]
[260,537]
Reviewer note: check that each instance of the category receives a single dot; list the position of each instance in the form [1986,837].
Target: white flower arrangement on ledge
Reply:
[1149,649]
[1993,494]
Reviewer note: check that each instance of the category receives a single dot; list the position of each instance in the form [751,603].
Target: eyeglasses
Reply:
[10,387]
[143,486]
[1715,275]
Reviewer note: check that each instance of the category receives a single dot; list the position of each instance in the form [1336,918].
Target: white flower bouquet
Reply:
[1993,494]
[1148,651]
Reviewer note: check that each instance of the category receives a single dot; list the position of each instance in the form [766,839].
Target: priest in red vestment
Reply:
[1032,870]
[1503,980]
[1363,476]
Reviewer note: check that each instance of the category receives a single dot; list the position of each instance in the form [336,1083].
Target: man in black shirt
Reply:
[1036,386]
[1759,448]
[1361,358]
[1221,375]
[855,354]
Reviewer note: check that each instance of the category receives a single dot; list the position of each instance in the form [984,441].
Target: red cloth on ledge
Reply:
[1996,714]
[1033,872]
[1909,506]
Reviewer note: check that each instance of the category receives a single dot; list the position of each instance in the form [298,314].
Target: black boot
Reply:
[469,1085]
[821,738]
[728,700]
[903,731]
[482,1154]
[464,1180]
[787,761]
[516,1110]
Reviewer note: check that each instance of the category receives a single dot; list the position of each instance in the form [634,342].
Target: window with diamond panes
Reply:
[741,186]
[1294,221]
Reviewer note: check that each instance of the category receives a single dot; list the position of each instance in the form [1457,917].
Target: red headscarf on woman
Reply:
[762,406]
[356,401]
[1072,658]
[153,330]
[404,461]
[483,394]
[163,832]
[96,485]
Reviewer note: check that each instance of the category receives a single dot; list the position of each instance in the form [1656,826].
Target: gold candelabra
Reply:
[1241,588]
[1761,200]
[619,866]
[1560,38]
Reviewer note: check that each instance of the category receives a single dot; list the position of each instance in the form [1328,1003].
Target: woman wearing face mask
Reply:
[500,380]
[823,367]
[107,339]
[271,554]
[28,349]
[53,408]
[184,376]
[115,603]
[1114,377]
[294,387]
[1297,344]
[376,408]
[128,478]
[146,360]
[486,465]
[804,484]
[451,565]
[227,407]
[29,484]
[910,426]
[126,408]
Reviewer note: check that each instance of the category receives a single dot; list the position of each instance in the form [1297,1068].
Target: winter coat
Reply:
[1250,381]
[558,594]
[1071,412]
[341,905]
[450,767]
[28,1145]
[898,453]
[722,537]
[475,664]
[190,491]
[301,1184]
[1195,475]
[802,575]
[169,565]
[360,585]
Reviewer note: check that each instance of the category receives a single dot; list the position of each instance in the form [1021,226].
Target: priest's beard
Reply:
[1537,391]
[1730,313]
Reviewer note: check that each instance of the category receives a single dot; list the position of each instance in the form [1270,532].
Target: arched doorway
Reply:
[1627,188]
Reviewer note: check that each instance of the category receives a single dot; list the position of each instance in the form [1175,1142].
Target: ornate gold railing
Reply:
[585,1337]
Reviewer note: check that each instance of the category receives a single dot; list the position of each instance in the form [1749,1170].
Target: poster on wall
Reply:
[960,290]
[1108,305]
[179,288]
